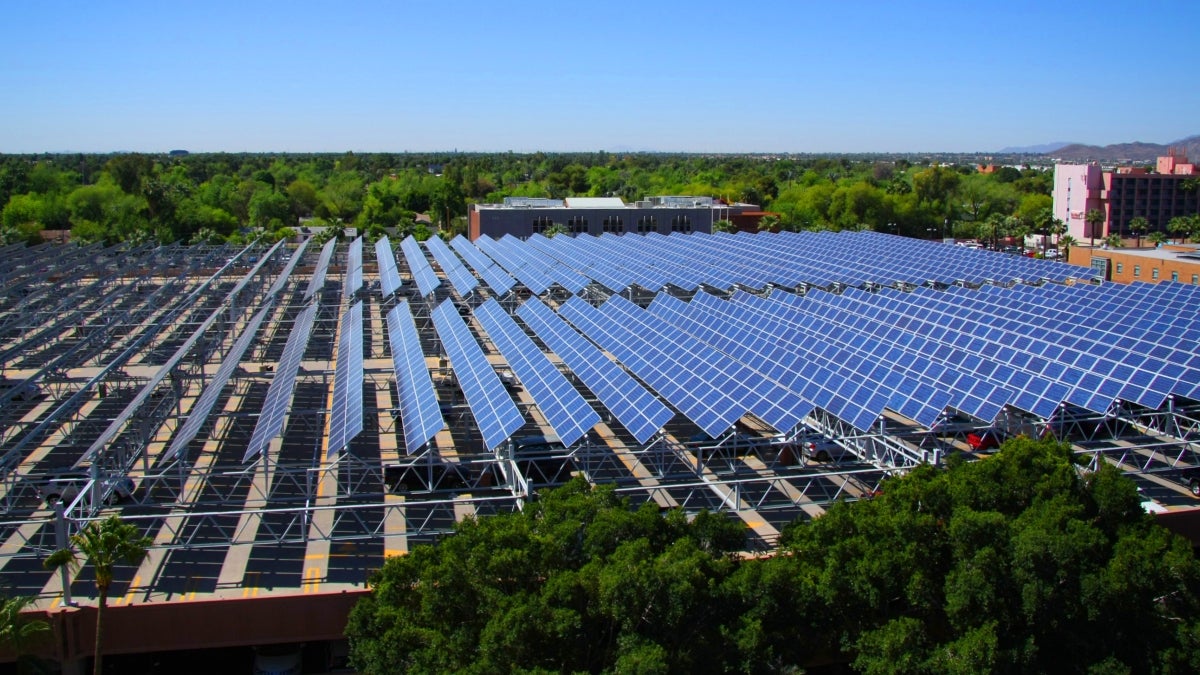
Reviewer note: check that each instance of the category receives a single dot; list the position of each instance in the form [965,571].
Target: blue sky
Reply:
[414,75]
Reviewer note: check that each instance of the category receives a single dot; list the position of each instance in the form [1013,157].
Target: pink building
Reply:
[1125,194]
[1077,190]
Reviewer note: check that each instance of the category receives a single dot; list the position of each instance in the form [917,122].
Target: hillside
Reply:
[1125,152]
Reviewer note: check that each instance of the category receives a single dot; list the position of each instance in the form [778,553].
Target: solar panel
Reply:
[354,263]
[318,278]
[199,412]
[567,413]
[462,280]
[346,416]
[639,411]
[419,410]
[493,409]
[287,271]
[427,280]
[389,275]
[499,280]
[270,419]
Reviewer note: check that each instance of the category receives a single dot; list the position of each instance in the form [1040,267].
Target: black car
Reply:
[1191,478]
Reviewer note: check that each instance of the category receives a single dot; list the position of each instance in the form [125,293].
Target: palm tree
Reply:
[724,226]
[1094,219]
[18,633]
[1137,226]
[767,223]
[104,544]
[1157,238]
[1065,242]
[1180,226]
[1114,241]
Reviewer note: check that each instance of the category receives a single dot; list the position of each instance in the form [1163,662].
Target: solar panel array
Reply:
[493,409]
[638,410]
[491,273]
[427,280]
[287,271]
[460,277]
[389,275]
[354,264]
[318,278]
[564,408]
[279,395]
[199,412]
[419,410]
[346,415]
[785,259]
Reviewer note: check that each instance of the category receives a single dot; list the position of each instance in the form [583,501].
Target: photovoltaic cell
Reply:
[279,396]
[419,410]
[346,416]
[462,280]
[495,277]
[203,405]
[567,413]
[493,409]
[639,411]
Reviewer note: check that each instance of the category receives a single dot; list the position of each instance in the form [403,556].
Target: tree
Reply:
[579,581]
[1065,243]
[18,633]
[103,544]
[1181,227]
[1157,238]
[1138,227]
[1114,241]
[1094,218]
[722,226]
[555,229]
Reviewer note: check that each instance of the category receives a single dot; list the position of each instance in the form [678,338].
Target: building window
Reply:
[541,224]
[1120,268]
[647,224]
[1174,276]
[613,225]
[1137,270]
[681,224]
[1196,278]
[577,224]
[1154,273]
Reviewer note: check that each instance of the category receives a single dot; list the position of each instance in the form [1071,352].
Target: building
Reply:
[1124,194]
[1179,263]
[524,216]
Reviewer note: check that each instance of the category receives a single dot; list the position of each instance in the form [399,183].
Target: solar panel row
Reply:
[638,410]
[567,413]
[279,395]
[346,415]
[495,277]
[419,411]
[427,280]
[496,416]
[318,278]
[462,279]
[389,275]
[354,264]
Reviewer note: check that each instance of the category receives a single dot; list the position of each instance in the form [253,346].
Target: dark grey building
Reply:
[523,216]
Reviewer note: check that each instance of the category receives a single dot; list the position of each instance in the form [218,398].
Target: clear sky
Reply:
[770,76]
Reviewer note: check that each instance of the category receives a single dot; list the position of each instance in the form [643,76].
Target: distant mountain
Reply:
[1033,149]
[1125,152]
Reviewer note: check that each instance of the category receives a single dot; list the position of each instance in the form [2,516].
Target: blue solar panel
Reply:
[493,409]
[354,263]
[270,419]
[199,412]
[318,278]
[419,410]
[346,416]
[427,280]
[567,413]
[389,274]
[495,277]
[460,278]
[637,409]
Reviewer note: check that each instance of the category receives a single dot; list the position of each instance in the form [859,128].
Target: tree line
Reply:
[213,197]
[1017,563]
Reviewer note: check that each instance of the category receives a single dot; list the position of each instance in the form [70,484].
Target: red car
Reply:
[987,439]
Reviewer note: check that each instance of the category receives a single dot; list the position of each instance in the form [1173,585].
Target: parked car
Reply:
[1190,477]
[66,483]
[985,439]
